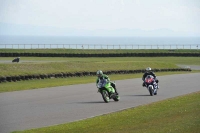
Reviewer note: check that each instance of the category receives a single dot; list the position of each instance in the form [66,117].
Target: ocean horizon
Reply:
[98,40]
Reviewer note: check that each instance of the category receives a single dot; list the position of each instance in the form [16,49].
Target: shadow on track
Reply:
[137,95]
[94,102]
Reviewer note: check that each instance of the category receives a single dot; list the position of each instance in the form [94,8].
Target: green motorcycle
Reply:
[107,91]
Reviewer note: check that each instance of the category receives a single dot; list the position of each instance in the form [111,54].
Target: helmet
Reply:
[99,73]
[148,69]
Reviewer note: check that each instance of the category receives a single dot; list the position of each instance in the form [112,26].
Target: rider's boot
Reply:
[116,91]
[157,86]
[114,86]
[143,84]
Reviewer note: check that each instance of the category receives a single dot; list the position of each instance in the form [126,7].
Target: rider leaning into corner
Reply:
[101,76]
[149,72]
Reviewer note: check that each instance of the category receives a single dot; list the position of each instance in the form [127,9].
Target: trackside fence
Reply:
[98,46]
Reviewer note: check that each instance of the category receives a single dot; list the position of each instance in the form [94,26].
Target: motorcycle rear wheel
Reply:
[116,98]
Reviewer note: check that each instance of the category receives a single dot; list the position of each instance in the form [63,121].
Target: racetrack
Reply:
[28,109]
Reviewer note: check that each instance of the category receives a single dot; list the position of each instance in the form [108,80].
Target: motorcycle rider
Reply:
[16,59]
[100,76]
[149,72]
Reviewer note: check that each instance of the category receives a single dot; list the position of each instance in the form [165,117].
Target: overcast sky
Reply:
[176,15]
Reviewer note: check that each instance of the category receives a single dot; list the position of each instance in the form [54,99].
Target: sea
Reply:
[96,42]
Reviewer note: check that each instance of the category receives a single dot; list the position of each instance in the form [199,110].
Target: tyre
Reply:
[116,98]
[151,91]
[105,96]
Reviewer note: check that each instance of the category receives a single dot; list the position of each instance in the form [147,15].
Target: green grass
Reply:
[44,65]
[97,50]
[179,115]
[175,115]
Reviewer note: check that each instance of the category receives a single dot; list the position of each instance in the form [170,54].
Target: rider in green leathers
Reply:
[100,76]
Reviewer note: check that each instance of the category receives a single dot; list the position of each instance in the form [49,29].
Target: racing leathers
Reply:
[149,73]
[104,76]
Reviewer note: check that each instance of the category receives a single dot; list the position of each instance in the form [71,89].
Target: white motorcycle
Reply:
[151,85]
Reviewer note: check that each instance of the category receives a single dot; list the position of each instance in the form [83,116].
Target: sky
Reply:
[87,16]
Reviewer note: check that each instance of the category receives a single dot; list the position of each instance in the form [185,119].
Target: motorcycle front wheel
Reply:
[151,91]
[105,96]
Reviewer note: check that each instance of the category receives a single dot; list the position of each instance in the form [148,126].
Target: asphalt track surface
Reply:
[22,110]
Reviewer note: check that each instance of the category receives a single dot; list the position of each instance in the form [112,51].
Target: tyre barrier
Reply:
[4,79]
[158,54]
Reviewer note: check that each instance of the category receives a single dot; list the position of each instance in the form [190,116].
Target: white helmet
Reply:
[99,73]
[148,69]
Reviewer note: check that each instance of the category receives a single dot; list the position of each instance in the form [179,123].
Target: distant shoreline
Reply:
[106,40]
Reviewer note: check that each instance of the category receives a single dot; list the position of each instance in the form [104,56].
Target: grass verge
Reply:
[175,115]
[47,65]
